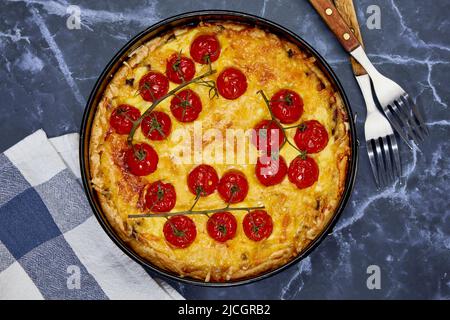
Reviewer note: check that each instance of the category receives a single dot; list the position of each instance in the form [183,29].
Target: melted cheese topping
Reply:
[298,215]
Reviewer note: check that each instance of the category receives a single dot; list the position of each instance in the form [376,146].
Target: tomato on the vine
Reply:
[122,118]
[233,186]
[311,136]
[156,126]
[221,226]
[271,170]
[203,180]
[287,106]
[268,136]
[180,231]
[231,83]
[205,48]
[141,159]
[153,85]
[303,172]
[160,197]
[179,68]
[186,105]
[258,225]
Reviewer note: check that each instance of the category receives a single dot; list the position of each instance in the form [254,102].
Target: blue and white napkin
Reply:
[51,245]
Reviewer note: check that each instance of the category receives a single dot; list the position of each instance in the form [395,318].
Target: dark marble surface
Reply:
[47,72]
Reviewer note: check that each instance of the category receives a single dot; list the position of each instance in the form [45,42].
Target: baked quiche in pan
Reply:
[175,180]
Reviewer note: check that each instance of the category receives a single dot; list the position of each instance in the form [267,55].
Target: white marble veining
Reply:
[30,62]
[58,55]
[144,16]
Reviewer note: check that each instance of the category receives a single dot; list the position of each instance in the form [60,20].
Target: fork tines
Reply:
[384,159]
[397,105]
[406,119]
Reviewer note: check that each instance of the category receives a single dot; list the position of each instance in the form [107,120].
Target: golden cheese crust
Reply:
[299,216]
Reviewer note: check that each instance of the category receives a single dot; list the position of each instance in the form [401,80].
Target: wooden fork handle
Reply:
[348,13]
[336,23]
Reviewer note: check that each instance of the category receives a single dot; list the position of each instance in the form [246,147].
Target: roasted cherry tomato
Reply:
[153,85]
[156,126]
[122,118]
[180,231]
[180,68]
[160,197]
[271,170]
[205,48]
[186,106]
[231,83]
[141,159]
[222,226]
[264,136]
[203,180]
[303,172]
[258,225]
[233,186]
[287,106]
[311,136]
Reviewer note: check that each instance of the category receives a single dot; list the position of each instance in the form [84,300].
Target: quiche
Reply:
[219,152]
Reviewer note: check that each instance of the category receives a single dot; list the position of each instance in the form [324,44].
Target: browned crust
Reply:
[160,259]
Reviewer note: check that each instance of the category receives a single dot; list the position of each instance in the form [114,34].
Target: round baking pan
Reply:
[192,19]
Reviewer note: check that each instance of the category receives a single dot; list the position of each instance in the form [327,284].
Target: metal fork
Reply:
[397,105]
[381,144]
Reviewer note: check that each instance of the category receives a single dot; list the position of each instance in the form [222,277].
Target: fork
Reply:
[397,105]
[381,143]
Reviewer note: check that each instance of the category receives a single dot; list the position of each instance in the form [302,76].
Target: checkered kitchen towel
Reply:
[51,246]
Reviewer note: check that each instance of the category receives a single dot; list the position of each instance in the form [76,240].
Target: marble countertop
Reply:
[48,71]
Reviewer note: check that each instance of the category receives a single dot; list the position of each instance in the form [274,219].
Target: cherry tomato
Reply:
[141,160]
[231,83]
[264,136]
[222,226]
[271,170]
[205,48]
[122,118]
[258,225]
[303,172]
[180,68]
[203,180]
[180,231]
[233,186]
[156,126]
[186,106]
[160,197]
[153,85]
[287,106]
[311,136]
